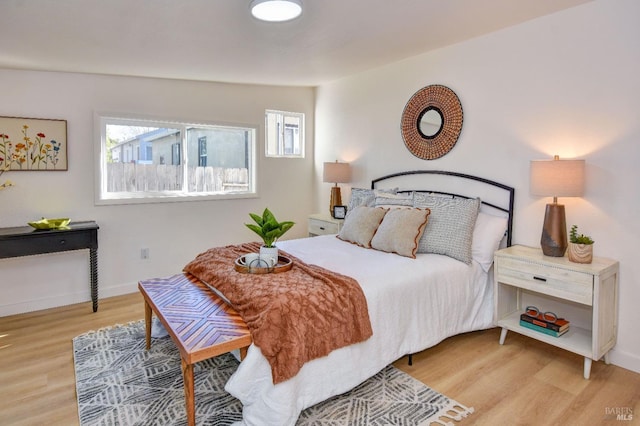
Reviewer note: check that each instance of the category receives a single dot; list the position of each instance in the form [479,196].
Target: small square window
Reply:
[284,134]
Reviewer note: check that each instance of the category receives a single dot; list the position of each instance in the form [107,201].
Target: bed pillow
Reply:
[450,227]
[487,235]
[360,197]
[365,197]
[360,226]
[400,231]
[389,200]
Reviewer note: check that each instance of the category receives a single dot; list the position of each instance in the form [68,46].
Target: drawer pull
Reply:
[540,279]
[63,242]
[322,228]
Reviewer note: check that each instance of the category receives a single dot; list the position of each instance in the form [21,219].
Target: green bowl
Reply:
[51,223]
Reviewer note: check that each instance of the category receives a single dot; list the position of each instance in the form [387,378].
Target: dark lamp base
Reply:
[554,231]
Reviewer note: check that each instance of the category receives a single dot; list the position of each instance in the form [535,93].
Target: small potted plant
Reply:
[580,246]
[269,229]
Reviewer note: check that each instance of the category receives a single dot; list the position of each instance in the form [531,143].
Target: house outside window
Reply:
[207,160]
[284,134]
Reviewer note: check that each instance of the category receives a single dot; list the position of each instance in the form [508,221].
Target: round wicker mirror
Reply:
[431,122]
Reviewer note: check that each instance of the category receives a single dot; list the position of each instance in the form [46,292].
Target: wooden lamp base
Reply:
[336,198]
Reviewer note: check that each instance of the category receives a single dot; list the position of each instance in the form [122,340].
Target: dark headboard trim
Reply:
[510,190]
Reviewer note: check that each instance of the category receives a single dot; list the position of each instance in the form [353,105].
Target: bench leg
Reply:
[243,352]
[189,394]
[147,323]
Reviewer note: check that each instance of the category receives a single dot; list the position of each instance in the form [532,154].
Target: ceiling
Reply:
[219,40]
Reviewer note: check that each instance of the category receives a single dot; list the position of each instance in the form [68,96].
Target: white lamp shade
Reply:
[276,10]
[557,178]
[336,172]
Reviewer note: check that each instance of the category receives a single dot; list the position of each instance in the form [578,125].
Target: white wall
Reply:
[563,84]
[174,232]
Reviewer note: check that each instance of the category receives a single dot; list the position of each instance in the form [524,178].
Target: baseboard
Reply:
[625,360]
[118,290]
[65,299]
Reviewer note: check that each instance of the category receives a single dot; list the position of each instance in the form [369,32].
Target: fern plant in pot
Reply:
[270,230]
[580,247]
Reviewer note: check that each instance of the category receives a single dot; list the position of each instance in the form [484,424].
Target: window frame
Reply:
[102,197]
[202,151]
[281,134]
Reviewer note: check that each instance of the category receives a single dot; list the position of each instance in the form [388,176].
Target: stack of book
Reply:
[553,328]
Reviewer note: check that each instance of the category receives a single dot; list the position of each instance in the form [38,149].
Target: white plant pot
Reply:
[269,254]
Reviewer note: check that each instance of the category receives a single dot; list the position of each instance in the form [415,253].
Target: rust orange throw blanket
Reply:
[294,316]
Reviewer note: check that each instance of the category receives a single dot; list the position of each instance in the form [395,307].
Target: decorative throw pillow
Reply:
[360,226]
[400,231]
[450,227]
[487,235]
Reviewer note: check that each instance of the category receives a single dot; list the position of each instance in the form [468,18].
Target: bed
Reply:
[415,299]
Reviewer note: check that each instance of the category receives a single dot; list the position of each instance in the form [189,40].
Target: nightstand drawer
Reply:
[558,282]
[321,227]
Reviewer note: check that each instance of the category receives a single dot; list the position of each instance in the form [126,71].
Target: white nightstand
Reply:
[324,224]
[524,271]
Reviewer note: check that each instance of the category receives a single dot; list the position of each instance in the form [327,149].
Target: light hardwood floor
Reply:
[523,382]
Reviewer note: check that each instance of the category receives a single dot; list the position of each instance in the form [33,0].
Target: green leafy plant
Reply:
[268,228]
[576,238]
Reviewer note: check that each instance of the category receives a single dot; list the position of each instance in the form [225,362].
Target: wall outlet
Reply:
[144,253]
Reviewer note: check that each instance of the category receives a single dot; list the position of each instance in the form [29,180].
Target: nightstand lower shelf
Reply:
[577,340]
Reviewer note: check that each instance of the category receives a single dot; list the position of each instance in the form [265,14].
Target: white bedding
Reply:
[413,304]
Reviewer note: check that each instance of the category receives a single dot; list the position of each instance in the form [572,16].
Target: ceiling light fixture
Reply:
[276,10]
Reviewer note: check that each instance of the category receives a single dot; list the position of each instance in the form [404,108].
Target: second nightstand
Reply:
[522,272]
[324,224]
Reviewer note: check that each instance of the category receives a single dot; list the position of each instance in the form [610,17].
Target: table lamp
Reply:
[556,178]
[336,173]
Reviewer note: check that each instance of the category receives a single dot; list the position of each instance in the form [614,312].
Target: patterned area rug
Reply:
[118,382]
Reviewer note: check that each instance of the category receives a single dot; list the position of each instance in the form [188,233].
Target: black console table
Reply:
[27,241]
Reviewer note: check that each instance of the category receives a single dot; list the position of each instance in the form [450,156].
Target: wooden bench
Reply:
[200,323]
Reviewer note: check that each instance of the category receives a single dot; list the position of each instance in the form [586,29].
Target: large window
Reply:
[209,160]
[284,134]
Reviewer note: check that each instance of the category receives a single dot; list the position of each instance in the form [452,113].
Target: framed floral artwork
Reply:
[32,144]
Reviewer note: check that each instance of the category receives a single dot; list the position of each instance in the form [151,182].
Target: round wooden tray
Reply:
[284,264]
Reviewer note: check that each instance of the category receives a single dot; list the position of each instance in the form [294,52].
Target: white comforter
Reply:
[413,304]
